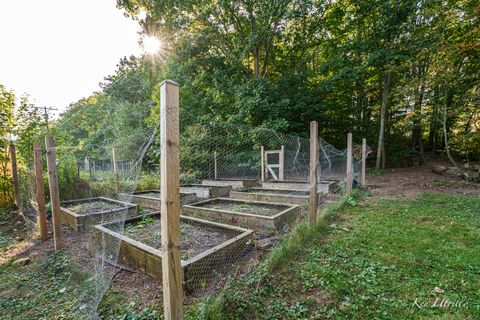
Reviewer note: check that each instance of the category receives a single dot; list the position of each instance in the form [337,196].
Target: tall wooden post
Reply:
[170,200]
[281,163]
[313,201]
[16,184]
[42,212]
[262,163]
[54,194]
[90,169]
[115,171]
[215,172]
[349,179]
[364,162]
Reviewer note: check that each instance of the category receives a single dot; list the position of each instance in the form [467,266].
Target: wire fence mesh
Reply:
[242,189]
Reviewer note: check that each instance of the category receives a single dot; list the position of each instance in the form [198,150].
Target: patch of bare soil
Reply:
[410,182]
[282,192]
[93,206]
[244,207]
[155,195]
[193,238]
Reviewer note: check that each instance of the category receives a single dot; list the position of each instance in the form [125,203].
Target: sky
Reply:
[59,50]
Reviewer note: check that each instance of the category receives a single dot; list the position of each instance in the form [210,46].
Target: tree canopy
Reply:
[402,73]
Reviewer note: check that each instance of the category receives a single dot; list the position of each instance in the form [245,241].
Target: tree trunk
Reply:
[255,61]
[445,131]
[433,123]
[383,109]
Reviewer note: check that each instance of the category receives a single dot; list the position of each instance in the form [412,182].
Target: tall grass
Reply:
[280,256]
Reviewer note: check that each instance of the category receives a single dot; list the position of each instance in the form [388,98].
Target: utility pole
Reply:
[46,110]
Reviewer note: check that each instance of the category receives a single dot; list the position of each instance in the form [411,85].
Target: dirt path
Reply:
[410,182]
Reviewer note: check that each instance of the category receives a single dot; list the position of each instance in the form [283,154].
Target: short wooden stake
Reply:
[16,184]
[349,178]
[364,162]
[172,272]
[54,194]
[262,163]
[313,201]
[115,171]
[281,160]
[215,172]
[42,212]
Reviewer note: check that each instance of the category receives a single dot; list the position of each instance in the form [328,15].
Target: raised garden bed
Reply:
[204,246]
[259,216]
[327,186]
[82,213]
[151,198]
[236,184]
[274,195]
[207,191]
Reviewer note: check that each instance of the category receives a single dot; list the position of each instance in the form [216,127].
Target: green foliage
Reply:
[371,266]
[28,291]
[7,104]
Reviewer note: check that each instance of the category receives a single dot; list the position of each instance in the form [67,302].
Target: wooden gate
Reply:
[270,168]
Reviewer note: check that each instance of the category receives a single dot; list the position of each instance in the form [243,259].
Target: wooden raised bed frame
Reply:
[149,260]
[294,197]
[205,191]
[138,197]
[236,184]
[326,186]
[261,223]
[79,222]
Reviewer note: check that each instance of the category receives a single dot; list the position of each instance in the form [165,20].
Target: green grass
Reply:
[47,288]
[374,265]
[366,259]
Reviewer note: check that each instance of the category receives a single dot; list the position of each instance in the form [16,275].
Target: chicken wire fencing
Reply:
[87,202]
[242,190]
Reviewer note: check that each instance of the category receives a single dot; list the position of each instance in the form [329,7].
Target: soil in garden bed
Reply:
[281,192]
[155,195]
[194,239]
[93,206]
[244,207]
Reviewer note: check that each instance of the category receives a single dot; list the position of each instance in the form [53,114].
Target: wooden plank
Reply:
[54,194]
[273,166]
[274,176]
[364,161]
[312,210]
[42,212]
[172,272]
[349,179]
[115,171]
[16,185]
[273,152]
[281,158]
[215,165]
[262,162]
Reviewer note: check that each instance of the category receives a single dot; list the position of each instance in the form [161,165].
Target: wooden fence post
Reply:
[262,163]
[90,168]
[281,162]
[172,272]
[115,171]
[54,194]
[215,165]
[16,184]
[349,179]
[313,201]
[364,162]
[42,212]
